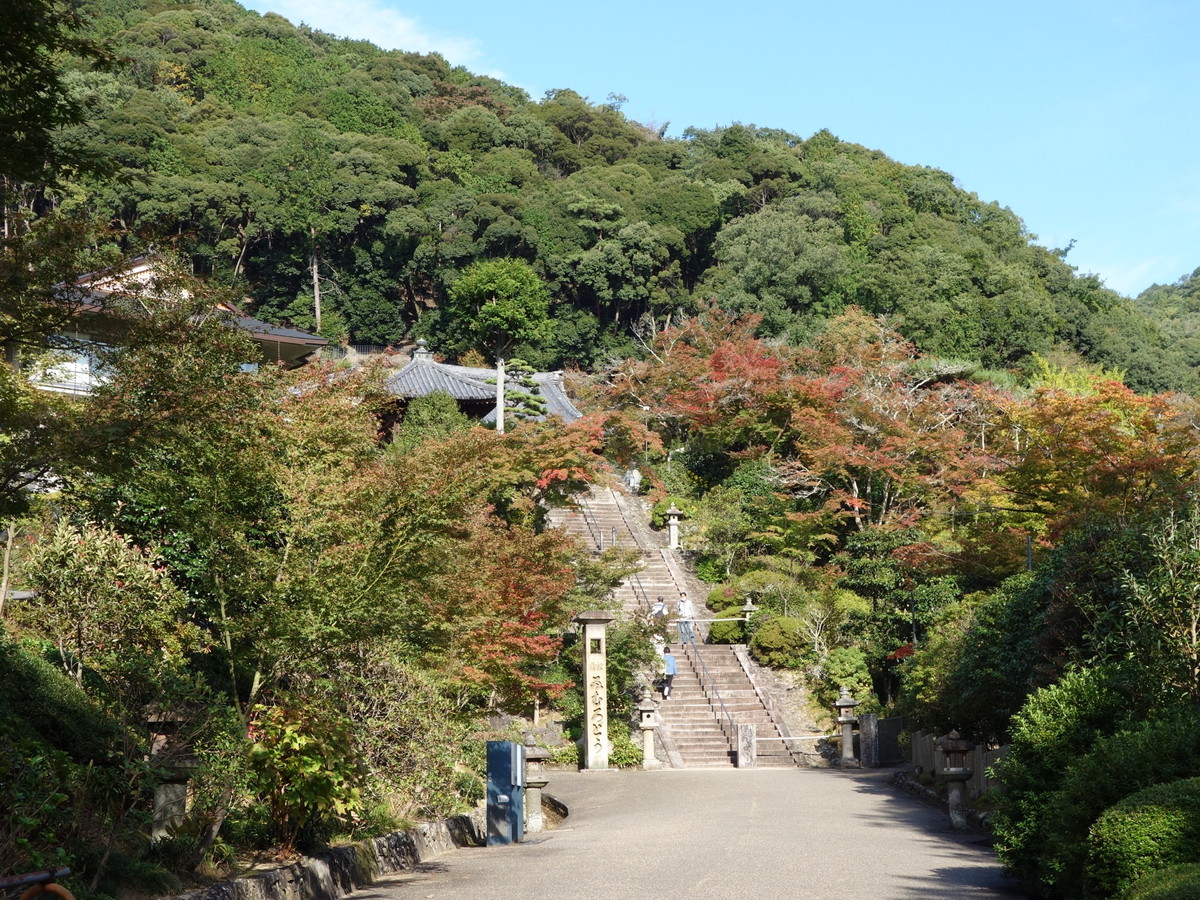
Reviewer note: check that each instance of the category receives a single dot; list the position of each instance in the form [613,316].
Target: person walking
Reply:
[657,620]
[669,670]
[687,613]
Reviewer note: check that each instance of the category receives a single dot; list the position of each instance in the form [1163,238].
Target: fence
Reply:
[336,352]
[927,758]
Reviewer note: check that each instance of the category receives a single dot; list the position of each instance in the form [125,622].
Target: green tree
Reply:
[36,100]
[106,603]
[505,302]
[1163,613]
[435,416]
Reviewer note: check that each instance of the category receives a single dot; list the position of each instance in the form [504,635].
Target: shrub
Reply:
[845,667]
[1153,829]
[1165,749]
[1175,883]
[727,632]
[35,815]
[1052,729]
[470,787]
[779,642]
[710,570]
[38,699]
[625,754]
[723,595]
[306,767]
[566,755]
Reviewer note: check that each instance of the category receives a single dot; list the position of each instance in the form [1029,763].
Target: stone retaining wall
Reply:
[339,872]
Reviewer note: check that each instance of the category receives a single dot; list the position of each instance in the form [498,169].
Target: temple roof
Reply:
[425,376]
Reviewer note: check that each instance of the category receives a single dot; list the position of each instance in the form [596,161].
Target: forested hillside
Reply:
[273,156]
[939,466]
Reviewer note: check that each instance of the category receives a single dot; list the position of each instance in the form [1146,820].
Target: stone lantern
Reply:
[673,516]
[845,716]
[956,772]
[648,712]
[178,762]
[535,780]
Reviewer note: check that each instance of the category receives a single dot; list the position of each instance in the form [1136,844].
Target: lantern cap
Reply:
[594,617]
[954,743]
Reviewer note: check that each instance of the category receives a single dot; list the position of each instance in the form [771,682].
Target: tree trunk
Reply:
[316,280]
[8,543]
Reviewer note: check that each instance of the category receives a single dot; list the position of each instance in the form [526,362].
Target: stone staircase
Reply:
[711,695]
[695,729]
[605,519]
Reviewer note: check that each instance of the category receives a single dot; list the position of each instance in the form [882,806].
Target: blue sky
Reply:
[1079,115]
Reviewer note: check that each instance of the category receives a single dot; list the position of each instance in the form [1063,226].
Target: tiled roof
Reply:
[257,328]
[424,376]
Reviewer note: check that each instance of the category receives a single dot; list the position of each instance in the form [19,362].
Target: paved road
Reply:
[810,833]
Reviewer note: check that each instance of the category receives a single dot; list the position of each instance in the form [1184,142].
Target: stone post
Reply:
[499,394]
[170,797]
[868,740]
[595,689]
[845,715]
[747,750]
[535,780]
[673,517]
[955,772]
[649,722]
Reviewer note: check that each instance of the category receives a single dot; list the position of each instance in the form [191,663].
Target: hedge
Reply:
[1175,883]
[1153,829]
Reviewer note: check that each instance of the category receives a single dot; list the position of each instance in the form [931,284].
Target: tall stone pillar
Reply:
[868,740]
[595,680]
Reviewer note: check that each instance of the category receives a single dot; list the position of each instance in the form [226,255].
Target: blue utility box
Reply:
[505,792]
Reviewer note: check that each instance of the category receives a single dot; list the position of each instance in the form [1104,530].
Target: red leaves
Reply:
[852,422]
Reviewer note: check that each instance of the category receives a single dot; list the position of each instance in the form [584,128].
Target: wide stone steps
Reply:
[695,715]
[599,521]
[692,718]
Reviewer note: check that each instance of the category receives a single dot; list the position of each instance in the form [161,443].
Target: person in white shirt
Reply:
[687,613]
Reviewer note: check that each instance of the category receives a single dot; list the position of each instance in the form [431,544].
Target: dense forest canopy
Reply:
[293,166]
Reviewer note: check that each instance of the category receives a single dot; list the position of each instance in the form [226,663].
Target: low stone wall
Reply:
[339,872]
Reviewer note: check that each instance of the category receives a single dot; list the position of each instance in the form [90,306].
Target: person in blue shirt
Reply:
[668,672]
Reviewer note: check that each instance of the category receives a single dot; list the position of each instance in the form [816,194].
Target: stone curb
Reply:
[337,873]
[560,809]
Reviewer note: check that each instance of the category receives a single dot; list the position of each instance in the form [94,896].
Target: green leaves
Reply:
[505,302]
[107,604]
[307,767]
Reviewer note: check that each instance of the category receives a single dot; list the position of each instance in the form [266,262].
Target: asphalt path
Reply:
[754,833]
